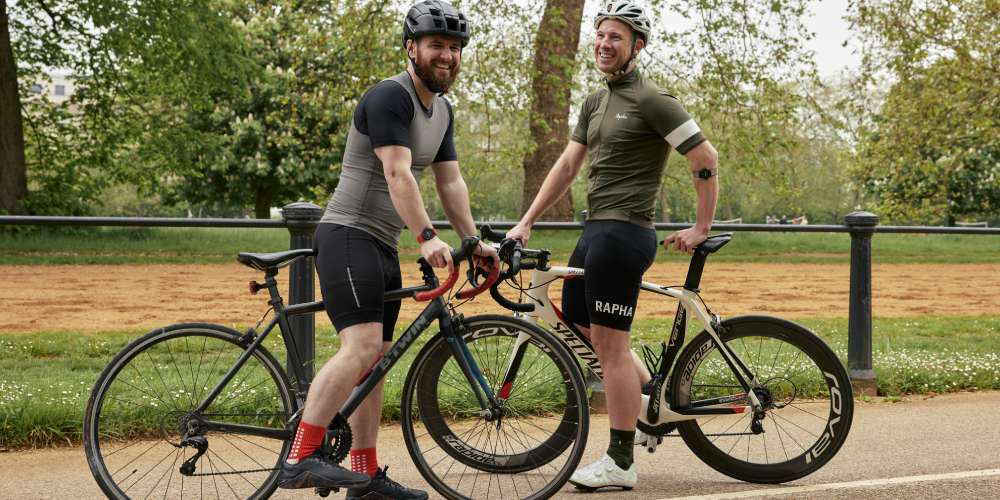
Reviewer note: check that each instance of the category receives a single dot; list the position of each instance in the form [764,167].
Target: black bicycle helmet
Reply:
[435,17]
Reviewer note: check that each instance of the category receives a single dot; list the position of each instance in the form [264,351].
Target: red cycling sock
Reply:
[308,438]
[364,460]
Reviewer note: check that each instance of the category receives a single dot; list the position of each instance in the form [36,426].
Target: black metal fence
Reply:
[300,220]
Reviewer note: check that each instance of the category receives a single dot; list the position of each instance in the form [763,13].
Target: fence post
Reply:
[859,326]
[301,219]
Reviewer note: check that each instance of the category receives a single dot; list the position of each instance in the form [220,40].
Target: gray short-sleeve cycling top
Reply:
[629,128]
[384,117]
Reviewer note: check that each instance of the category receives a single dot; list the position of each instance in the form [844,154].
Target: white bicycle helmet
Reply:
[629,13]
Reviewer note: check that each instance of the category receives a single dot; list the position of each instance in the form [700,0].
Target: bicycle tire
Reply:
[544,429]
[116,427]
[814,388]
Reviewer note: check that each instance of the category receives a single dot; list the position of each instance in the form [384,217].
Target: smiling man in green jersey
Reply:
[627,127]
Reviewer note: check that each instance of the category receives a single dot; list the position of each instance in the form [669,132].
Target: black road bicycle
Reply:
[202,410]
[757,398]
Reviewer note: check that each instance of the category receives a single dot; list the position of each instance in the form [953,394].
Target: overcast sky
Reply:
[831,31]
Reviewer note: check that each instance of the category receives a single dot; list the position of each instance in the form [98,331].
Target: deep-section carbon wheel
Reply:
[526,448]
[141,430]
[808,403]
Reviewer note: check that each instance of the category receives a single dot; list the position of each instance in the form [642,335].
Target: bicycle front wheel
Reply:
[143,407]
[805,392]
[529,446]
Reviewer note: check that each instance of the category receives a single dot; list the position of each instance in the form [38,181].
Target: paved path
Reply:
[937,448]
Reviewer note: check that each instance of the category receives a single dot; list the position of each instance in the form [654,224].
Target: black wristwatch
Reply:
[427,234]
[705,173]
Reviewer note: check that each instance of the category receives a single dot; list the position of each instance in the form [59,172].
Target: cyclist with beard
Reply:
[400,126]
[627,128]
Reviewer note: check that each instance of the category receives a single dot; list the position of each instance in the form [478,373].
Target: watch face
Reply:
[427,234]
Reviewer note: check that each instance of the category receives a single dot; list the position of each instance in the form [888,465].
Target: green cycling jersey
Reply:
[629,128]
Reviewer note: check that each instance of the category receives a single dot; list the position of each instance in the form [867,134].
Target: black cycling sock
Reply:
[620,447]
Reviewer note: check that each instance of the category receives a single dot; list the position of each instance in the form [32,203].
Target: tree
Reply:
[123,56]
[13,180]
[551,83]
[281,138]
[933,152]
[742,70]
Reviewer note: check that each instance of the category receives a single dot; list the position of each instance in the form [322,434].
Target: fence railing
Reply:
[300,219]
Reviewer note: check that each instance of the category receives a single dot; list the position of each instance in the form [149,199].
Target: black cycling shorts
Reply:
[355,270]
[614,256]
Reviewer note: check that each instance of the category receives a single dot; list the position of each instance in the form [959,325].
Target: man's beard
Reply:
[426,73]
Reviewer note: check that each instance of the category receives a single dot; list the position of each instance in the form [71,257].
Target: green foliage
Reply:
[122,55]
[281,138]
[932,154]
[742,70]
[491,103]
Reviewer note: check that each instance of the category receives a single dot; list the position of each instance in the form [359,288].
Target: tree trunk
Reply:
[13,177]
[551,82]
[262,203]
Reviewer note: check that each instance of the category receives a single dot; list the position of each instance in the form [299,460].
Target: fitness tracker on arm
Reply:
[427,234]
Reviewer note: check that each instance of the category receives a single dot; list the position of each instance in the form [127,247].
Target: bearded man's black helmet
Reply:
[435,17]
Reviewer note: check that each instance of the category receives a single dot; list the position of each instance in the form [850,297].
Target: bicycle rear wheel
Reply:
[808,403]
[536,443]
[144,402]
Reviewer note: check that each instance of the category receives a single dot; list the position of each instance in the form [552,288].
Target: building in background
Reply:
[58,87]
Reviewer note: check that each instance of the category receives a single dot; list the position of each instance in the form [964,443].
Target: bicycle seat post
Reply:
[272,288]
[697,266]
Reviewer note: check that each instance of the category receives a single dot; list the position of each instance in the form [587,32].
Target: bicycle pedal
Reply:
[325,492]
[653,442]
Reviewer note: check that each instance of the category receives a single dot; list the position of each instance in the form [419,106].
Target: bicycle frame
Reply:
[537,293]
[437,309]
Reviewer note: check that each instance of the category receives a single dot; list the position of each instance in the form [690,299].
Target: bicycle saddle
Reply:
[714,243]
[265,261]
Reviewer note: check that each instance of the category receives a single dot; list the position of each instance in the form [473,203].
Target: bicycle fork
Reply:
[488,401]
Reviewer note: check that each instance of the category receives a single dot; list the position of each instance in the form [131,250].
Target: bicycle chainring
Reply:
[338,440]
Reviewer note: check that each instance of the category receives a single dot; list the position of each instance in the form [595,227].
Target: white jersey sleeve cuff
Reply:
[682,133]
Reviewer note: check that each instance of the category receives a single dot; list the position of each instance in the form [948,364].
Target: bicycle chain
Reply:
[199,474]
[248,471]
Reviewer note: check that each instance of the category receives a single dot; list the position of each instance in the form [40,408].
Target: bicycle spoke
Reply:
[154,392]
[526,440]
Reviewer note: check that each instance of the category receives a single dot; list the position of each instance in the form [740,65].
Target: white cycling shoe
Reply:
[604,473]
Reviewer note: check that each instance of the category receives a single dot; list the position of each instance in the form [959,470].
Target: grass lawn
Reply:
[172,245]
[46,377]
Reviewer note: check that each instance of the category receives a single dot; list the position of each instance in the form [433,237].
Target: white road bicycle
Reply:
[757,398]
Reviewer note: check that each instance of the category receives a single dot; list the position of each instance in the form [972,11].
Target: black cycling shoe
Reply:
[382,487]
[315,471]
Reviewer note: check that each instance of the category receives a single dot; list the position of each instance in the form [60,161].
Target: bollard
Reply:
[301,219]
[859,327]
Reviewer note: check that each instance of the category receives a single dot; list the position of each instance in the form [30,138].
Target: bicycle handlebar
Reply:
[469,243]
[513,306]
[509,251]
[491,279]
